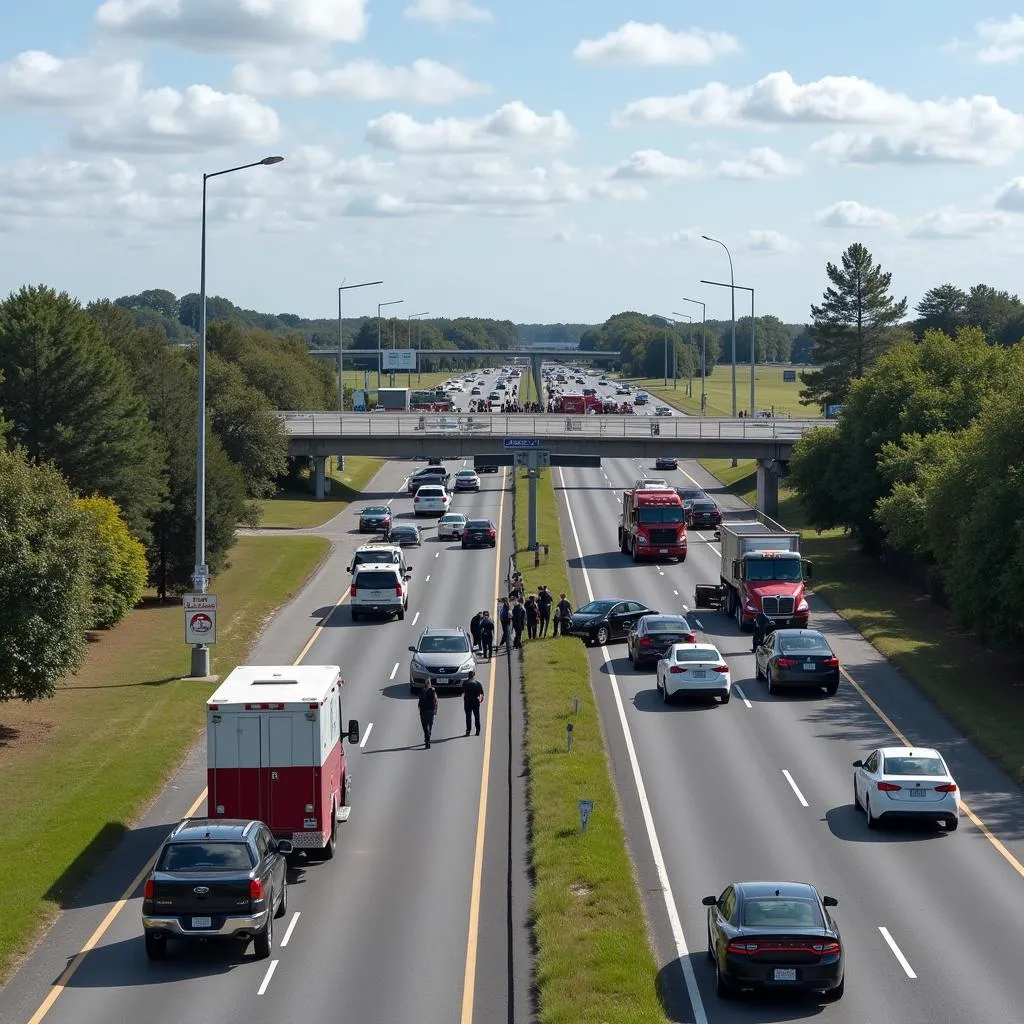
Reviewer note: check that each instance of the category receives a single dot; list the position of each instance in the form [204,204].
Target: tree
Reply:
[772,341]
[942,309]
[45,603]
[72,400]
[851,328]
[117,561]
[157,299]
[991,310]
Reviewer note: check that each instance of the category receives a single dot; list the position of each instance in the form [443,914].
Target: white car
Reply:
[662,410]
[694,670]
[431,500]
[450,526]
[906,783]
[653,483]
[467,480]
[379,590]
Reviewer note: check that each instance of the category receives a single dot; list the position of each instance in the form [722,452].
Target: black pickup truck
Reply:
[216,879]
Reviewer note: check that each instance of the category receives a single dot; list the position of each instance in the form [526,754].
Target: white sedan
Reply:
[431,500]
[451,526]
[694,670]
[905,783]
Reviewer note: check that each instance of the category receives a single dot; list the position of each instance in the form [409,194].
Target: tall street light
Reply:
[668,319]
[689,320]
[380,357]
[201,574]
[732,277]
[753,330]
[704,353]
[413,316]
[341,376]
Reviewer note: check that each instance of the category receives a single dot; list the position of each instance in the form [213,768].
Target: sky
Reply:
[524,160]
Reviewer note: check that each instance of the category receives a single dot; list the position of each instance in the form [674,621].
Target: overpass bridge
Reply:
[412,435]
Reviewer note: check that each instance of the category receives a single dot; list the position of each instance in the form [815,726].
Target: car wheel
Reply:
[666,697]
[722,989]
[355,615]
[156,946]
[401,613]
[770,682]
[953,824]
[856,796]
[835,994]
[603,635]
[710,951]
[758,674]
[872,820]
[831,691]
[263,941]
[282,907]
[725,698]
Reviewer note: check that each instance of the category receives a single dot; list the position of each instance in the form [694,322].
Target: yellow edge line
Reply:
[472,939]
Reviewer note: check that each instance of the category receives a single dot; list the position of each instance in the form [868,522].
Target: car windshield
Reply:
[466,472]
[376,510]
[806,644]
[378,557]
[672,514]
[430,492]
[453,517]
[764,570]
[596,608]
[779,912]
[377,580]
[667,625]
[478,524]
[684,654]
[704,506]
[443,645]
[205,856]
[689,493]
[913,766]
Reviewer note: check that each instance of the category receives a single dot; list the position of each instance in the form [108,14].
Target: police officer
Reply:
[427,704]
[486,636]
[472,698]
[763,626]
[474,629]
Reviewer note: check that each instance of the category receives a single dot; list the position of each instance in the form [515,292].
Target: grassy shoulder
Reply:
[296,511]
[594,960]
[909,629]
[79,769]
[416,381]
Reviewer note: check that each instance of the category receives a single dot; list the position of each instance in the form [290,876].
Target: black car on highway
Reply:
[608,620]
[216,878]
[405,535]
[703,514]
[690,495]
[666,462]
[797,658]
[774,935]
[479,533]
[651,637]
[374,519]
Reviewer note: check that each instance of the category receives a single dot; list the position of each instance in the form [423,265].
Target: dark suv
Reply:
[427,475]
[216,878]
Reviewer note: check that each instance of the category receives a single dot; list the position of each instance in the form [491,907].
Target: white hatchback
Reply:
[431,500]
[906,783]
[451,526]
[694,670]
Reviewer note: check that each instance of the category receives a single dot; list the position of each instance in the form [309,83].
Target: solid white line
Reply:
[293,922]
[267,977]
[394,672]
[415,617]
[795,788]
[362,743]
[682,950]
[742,696]
[897,952]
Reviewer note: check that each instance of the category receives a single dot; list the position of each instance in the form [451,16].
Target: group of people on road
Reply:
[472,699]
[519,613]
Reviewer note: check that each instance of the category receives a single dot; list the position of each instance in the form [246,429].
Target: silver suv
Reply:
[443,654]
[427,475]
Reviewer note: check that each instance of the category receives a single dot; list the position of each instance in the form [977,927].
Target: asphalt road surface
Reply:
[722,809]
[421,915]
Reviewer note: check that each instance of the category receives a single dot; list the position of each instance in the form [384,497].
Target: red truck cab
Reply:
[652,524]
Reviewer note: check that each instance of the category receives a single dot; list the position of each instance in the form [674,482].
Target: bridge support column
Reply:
[319,476]
[768,488]
[535,366]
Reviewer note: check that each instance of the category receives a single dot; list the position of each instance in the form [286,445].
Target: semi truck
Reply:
[652,524]
[393,399]
[762,571]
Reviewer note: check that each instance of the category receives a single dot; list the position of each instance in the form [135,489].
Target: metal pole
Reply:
[380,357]
[416,317]
[533,472]
[690,342]
[666,358]
[704,353]
[753,361]
[732,292]
[341,377]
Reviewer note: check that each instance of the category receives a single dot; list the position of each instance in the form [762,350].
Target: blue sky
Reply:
[522,160]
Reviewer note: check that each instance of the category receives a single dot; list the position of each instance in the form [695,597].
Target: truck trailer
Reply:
[393,399]
[652,524]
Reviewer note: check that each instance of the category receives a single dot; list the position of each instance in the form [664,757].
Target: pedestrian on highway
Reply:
[532,615]
[763,625]
[518,622]
[427,704]
[563,615]
[486,635]
[472,698]
[504,620]
[544,602]
[474,629]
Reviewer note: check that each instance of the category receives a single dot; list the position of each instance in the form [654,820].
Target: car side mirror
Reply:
[858,764]
[830,901]
[413,649]
[353,731]
[808,570]
[710,901]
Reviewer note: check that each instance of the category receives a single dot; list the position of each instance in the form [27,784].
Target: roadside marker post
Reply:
[575,705]
[586,807]
[568,736]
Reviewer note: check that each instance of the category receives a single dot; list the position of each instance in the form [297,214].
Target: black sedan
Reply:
[703,514]
[479,533]
[690,495]
[375,519]
[405,535]
[774,935]
[797,658]
[666,462]
[602,622]
[652,636]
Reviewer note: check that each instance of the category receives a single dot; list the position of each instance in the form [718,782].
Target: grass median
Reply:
[917,635]
[80,768]
[594,963]
[297,511]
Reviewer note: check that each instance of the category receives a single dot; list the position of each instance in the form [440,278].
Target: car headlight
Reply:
[416,663]
[468,664]
[803,606]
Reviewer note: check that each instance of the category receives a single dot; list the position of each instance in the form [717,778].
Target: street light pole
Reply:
[380,357]
[201,574]
[413,316]
[753,322]
[690,321]
[732,277]
[704,353]
[341,375]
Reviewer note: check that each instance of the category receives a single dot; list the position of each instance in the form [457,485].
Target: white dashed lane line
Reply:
[415,618]
[426,579]
[293,922]
[362,743]
[897,952]
[795,788]
[394,671]
[742,696]
[266,978]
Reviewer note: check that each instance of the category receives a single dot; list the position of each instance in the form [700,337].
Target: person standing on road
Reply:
[544,601]
[427,704]
[472,698]
[474,629]
[518,621]
[763,625]
[532,615]
[563,615]
[505,620]
[486,635]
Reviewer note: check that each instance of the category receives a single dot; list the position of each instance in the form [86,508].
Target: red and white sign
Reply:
[200,618]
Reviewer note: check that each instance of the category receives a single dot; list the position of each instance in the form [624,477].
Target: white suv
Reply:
[379,554]
[379,590]
[431,500]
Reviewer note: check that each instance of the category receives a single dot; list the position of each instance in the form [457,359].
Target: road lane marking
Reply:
[427,580]
[415,617]
[743,696]
[473,934]
[795,788]
[676,592]
[394,672]
[437,554]
[295,919]
[682,950]
[897,952]
[320,628]
[266,978]
[366,735]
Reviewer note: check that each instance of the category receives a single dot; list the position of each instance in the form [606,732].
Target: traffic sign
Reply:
[399,359]
[521,442]
[586,807]
[200,618]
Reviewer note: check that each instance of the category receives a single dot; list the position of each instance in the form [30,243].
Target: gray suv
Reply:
[427,475]
[443,654]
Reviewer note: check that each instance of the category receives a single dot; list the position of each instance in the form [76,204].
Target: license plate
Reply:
[917,794]
[809,666]
[785,974]
[696,675]
[202,922]
[662,551]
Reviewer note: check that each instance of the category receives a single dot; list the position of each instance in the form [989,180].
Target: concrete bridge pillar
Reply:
[768,487]
[535,366]
[320,476]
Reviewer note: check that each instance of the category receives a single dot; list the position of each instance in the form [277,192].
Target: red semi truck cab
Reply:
[652,525]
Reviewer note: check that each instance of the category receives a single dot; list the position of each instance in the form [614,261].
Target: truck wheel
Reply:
[728,604]
[263,941]
[331,845]
[633,552]
[156,946]
[739,617]
[401,613]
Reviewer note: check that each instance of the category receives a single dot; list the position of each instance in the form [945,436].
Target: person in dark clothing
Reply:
[427,704]
[474,629]
[532,615]
[544,602]
[504,620]
[563,615]
[486,636]
[518,622]
[472,698]
[763,626]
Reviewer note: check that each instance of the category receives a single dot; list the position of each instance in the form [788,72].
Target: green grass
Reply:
[918,636]
[80,768]
[527,390]
[292,511]
[419,382]
[594,963]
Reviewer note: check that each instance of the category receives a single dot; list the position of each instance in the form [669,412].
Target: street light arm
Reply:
[265,162]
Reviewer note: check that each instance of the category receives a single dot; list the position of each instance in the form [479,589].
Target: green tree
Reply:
[157,299]
[851,328]
[117,561]
[992,310]
[942,309]
[45,603]
[772,341]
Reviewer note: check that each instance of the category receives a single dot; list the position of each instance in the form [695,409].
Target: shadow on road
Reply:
[850,825]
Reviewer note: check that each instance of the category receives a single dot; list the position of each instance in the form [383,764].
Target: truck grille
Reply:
[778,605]
[663,536]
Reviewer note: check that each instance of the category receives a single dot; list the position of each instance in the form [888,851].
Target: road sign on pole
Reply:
[399,359]
[200,618]
[586,807]
[521,442]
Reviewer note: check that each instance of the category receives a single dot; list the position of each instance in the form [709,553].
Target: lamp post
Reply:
[380,306]
[341,376]
[753,337]
[413,316]
[671,321]
[732,278]
[201,574]
[689,320]
[704,353]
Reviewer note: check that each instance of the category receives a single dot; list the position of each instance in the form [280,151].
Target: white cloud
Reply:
[948,222]
[37,78]
[1011,196]
[168,121]
[321,167]
[850,214]
[424,81]
[383,205]
[652,163]
[760,162]
[770,242]
[999,42]
[647,44]
[511,124]
[440,12]
[231,26]
[473,168]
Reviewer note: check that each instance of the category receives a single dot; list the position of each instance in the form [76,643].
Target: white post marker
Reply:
[586,807]
[575,705]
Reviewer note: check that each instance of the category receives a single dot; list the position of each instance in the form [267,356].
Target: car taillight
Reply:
[491,533]
[720,668]
[831,663]
[691,638]
[255,890]
[676,670]
[786,662]
[398,589]
[742,948]
[826,948]
[352,591]
[949,787]
[645,641]
[889,787]
[147,892]
[416,500]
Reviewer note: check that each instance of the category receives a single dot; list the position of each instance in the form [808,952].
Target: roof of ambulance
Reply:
[276,684]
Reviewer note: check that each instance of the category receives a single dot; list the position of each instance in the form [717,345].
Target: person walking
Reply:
[563,615]
[518,622]
[504,620]
[486,636]
[474,629]
[532,615]
[427,704]
[544,602]
[764,625]
[472,698]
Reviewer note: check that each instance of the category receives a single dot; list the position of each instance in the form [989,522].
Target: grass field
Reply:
[594,963]
[422,381]
[289,510]
[527,390]
[913,632]
[79,769]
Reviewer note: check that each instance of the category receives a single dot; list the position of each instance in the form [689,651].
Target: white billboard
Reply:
[398,359]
